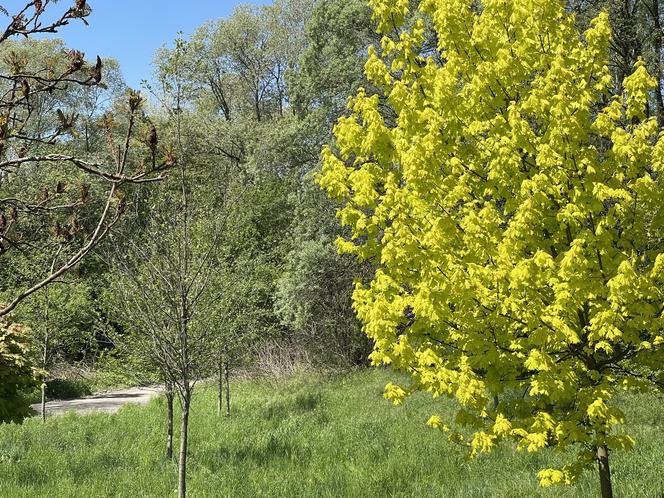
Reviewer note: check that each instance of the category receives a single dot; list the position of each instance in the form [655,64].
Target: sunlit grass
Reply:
[304,436]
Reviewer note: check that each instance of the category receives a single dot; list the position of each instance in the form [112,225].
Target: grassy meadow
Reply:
[308,435]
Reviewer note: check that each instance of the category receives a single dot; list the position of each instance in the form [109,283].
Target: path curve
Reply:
[107,402]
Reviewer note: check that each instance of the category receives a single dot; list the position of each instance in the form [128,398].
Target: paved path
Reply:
[108,402]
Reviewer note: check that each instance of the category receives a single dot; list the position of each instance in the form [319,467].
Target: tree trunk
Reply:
[182,463]
[604,471]
[43,401]
[45,352]
[169,422]
[220,388]
[228,390]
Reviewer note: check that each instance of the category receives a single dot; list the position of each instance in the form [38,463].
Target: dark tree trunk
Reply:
[604,471]
[182,462]
[228,390]
[220,387]
[658,46]
[169,422]
[43,401]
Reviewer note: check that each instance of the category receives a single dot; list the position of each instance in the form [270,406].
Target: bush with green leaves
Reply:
[17,375]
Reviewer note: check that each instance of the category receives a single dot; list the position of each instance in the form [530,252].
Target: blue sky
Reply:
[131,30]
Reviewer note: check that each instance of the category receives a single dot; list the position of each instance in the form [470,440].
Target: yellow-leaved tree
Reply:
[513,201]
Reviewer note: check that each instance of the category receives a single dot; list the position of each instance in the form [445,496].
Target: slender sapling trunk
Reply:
[220,387]
[228,390]
[182,463]
[43,401]
[169,423]
[45,354]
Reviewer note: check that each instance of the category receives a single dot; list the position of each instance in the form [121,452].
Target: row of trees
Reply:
[240,267]
[267,153]
[232,252]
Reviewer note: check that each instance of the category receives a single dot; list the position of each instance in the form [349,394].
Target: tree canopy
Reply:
[512,201]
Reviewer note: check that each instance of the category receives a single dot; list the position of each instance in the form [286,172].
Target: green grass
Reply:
[305,436]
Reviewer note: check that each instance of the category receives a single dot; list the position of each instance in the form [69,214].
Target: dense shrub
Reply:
[68,388]
[16,372]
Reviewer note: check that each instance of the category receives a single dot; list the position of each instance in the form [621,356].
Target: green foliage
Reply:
[317,311]
[330,66]
[513,205]
[17,375]
[67,388]
[314,435]
[241,62]
[72,324]
[313,295]
[314,287]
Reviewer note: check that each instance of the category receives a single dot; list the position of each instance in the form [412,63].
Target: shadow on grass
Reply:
[261,453]
[302,403]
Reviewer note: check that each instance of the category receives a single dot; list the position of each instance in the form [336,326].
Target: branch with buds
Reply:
[28,21]
[21,87]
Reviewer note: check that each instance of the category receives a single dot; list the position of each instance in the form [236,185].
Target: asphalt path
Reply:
[107,402]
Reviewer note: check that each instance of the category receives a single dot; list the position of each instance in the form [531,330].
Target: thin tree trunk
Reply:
[220,387]
[45,354]
[43,384]
[169,423]
[228,390]
[182,463]
[185,388]
[604,471]
[43,401]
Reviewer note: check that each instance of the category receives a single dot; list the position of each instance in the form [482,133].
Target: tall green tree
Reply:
[513,204]
[330,64]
